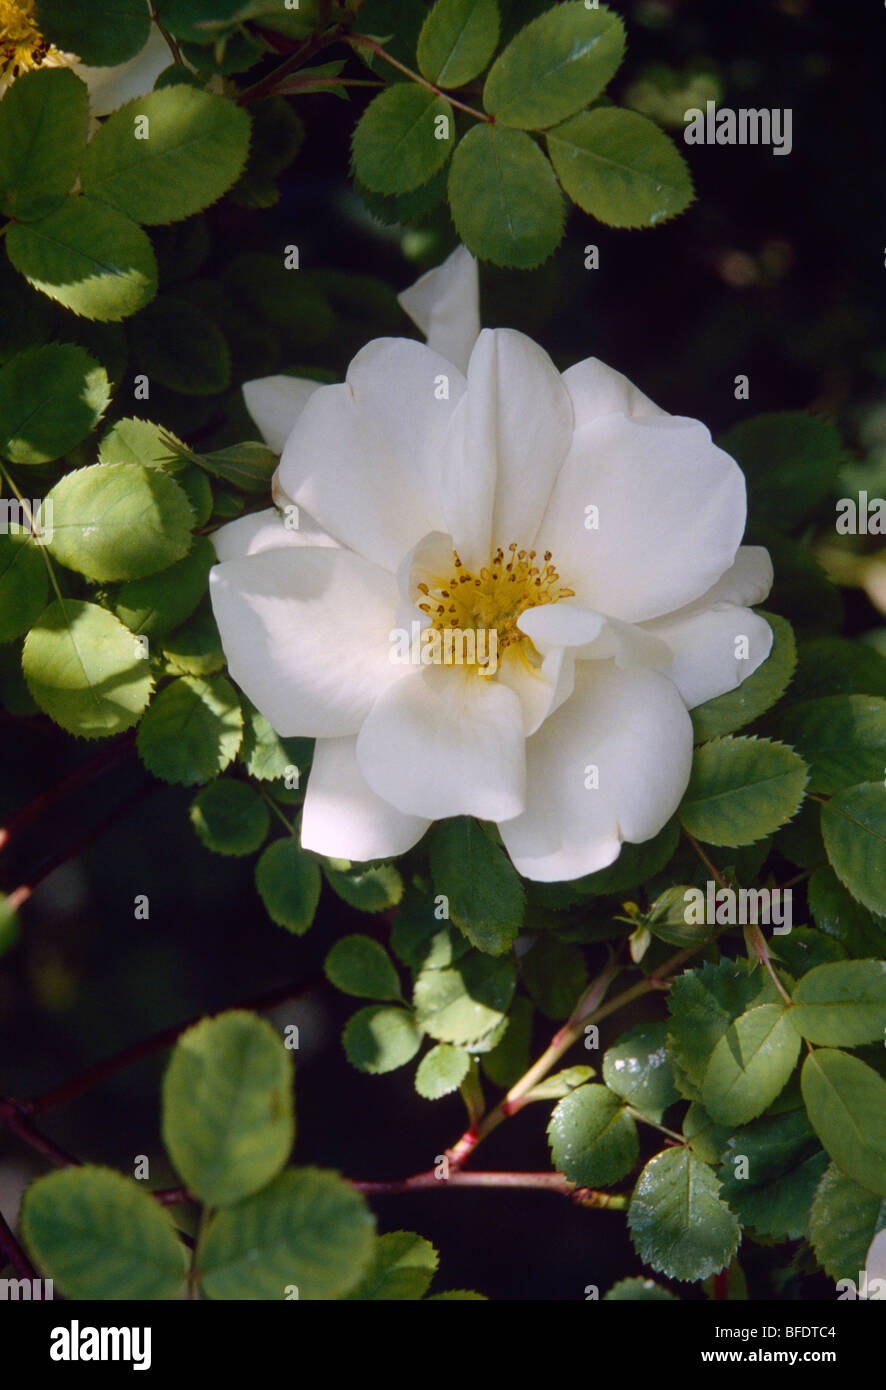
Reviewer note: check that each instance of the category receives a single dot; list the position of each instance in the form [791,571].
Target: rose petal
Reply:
[266,530]
[445,305]
[342,815]
[275,403]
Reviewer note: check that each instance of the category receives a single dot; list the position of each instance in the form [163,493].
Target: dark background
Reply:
[775,272]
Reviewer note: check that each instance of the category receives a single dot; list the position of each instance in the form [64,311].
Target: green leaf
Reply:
[99,1236]
[842,1004]
[666,919]
[703,1004]
[86,670]
[620,167]
[846,1101]
[228,1122]
[249,466]
[462,1003]
[741,789]
[556,64]
[843,1220]
[706,1139]
[43,120]
[592,1137]
[119,521]
[750,1064]
[441,1071]
[88,257]
[50,399]
[24,582]
[191,731]
[678,1222]
[506,1062]
[102,33]
[230,818]
[638,1069]
[138,441]
[288,881]
[790,460]
[838,914]
[308,1228]
[841,737]
[639,1291]
[163,157]
[726,713]
[366,889]
[506,204]
[486,897]
[555,975]
[853,825]
[836,666]
[265,755]
[402,1268]
[360,966]
[561,1083]
[770,1172]
[195,648]
[176,344]
[156,605]
[396,145]
[381,1038]
[457,40]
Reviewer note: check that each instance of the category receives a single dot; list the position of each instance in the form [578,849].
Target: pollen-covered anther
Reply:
[495,596]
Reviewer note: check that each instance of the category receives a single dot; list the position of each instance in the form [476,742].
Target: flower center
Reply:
[491,602]
[22,46]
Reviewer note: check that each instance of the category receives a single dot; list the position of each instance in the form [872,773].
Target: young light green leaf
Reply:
[365,888]
[88,257]
[702,1004]
[457,40]
[360,966]
[506,204]
[561,1083]
[119,521]
[593,1139]
[381,1038]
[43,119]
[289,882]
[464,1002]
[230,817]
[484,892]
[86,670]
[139,441]
[268,757]
[195,648]
[741,789]
[228,1121]
[50,399]
[403,137]
[441,1071]
[24,582]
[853,826]
[165,156]
[98,1235]
[556,64]
[846,1101]
[620,167]
[638,1069]
[191,731]
[843,1220]
[307,1230]
[678,1222]
[842,1004]
[750,1064]
[402,1267]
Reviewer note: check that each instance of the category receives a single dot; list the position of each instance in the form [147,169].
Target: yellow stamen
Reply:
[22,47]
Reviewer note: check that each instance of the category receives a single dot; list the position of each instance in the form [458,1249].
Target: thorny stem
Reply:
[361,41]
[756,942]
[267,86]
[173,46]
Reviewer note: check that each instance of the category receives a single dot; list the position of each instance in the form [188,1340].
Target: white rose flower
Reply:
[23,49]
[563,523]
